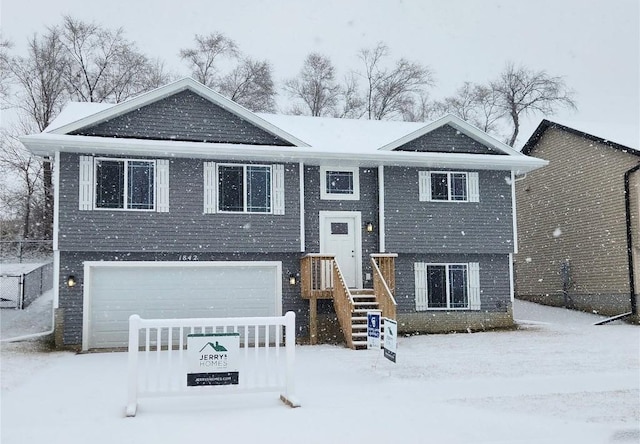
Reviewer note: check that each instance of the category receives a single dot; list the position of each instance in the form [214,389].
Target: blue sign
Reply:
[373,329]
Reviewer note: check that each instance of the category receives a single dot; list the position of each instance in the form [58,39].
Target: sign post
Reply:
[390,339]
[213,359]
[373,329]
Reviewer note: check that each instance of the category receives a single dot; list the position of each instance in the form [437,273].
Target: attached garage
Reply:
[115,290]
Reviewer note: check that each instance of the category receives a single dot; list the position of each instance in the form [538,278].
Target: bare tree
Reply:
[523,91]
[101,65]
[476,104]
[422,109]
[251,85]
[28,168]
[389,92]
[42,86]
[351,103]
[315,86]
[41,95]
[5,71]
[204,57]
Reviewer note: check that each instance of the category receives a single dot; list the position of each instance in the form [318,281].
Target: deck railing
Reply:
[321,278]
[316,276]
[383,267]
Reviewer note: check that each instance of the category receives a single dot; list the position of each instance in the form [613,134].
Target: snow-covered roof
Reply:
[74,111]
[331,134]
[315,140]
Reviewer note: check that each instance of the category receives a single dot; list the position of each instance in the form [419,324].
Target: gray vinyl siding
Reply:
[367,205]
[184,227]
[412,226]
[495,290]
[447,139]
[71,299]
[183,116]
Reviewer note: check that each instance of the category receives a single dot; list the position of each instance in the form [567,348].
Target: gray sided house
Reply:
[578,226]
[181,203]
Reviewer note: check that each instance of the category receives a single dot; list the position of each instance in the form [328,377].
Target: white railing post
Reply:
[134,347]
[289,396]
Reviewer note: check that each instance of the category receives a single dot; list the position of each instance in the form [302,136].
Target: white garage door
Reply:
[116,290]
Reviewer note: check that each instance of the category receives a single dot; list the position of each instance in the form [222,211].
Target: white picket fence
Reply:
[158,356]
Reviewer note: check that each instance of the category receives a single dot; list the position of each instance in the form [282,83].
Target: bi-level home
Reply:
[181,203]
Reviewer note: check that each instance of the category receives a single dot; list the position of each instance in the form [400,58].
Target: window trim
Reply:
[244,186]
[324,195]
[125,160]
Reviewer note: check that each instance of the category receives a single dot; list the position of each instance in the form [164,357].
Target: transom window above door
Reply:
[339,183]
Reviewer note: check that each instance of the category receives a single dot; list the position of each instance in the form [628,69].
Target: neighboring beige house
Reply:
[578,223]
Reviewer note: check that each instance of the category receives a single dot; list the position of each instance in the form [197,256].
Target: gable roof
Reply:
[459,124]
[547,124]
[168,90]
[314,140]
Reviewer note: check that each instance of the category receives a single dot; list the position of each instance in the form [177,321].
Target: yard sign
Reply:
[390,339]
[373,329]
[213,359]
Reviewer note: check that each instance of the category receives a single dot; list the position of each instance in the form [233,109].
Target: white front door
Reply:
[340,236]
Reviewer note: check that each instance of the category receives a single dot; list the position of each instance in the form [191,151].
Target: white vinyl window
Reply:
[448,186]
[123,184]
[239,188]
[447,286]
[339,183]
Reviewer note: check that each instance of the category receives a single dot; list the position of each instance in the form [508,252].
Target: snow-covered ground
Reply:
[557,379]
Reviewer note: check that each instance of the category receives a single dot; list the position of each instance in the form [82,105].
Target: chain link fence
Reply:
[25,250]
[20,290]
[10,291]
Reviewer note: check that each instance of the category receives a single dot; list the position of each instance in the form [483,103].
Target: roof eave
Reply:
[48,144]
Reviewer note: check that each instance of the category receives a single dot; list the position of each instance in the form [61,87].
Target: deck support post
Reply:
[313,321]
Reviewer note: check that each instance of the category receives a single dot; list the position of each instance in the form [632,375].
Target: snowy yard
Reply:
[558,379]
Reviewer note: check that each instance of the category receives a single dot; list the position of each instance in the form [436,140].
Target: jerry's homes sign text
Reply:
[213,358]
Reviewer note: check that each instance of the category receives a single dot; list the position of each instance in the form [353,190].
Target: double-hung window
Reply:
[339,183]
[123,184]
[244,188]
[448,186]
[447,286]
[240,188]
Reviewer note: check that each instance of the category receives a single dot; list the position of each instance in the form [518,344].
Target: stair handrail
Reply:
[384,295]
[343,304]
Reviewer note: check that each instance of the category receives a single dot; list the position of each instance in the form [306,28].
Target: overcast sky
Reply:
[593,44]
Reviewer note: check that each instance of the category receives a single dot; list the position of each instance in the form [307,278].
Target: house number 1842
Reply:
[188,257]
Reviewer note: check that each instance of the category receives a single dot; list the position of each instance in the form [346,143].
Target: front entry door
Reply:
[340,236]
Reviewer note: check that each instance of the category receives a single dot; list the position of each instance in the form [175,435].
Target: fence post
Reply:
[289,397]
[20,304]
[134,347]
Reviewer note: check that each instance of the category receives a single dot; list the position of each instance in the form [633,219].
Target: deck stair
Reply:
[364,300]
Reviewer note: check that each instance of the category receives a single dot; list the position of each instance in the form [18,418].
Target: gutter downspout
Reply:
[627,204]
